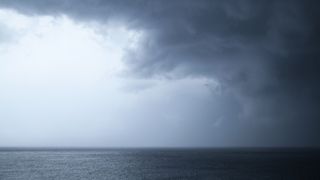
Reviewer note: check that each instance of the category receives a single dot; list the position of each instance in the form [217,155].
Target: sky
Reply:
[142,73]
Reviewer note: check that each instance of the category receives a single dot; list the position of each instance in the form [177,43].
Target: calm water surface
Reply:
[34,164]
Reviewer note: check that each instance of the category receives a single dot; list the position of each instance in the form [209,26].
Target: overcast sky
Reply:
[139,73]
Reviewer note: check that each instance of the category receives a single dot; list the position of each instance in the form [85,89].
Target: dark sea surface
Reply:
[94,164]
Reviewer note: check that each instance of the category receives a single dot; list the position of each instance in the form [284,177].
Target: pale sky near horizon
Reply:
[64,84]
[149,74]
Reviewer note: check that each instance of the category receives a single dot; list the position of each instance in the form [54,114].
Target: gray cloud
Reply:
[5,34]
[263,53]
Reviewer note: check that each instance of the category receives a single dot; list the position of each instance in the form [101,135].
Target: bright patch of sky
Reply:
[63,83]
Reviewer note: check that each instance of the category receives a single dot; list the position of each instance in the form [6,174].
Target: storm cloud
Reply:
[260,60]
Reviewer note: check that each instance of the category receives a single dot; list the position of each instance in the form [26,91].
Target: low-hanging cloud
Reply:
[264,55]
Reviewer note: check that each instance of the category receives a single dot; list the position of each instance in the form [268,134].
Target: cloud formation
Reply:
[263,54]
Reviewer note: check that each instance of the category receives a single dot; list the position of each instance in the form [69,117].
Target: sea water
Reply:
[75,164]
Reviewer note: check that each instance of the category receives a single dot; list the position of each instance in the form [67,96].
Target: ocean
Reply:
[220,164]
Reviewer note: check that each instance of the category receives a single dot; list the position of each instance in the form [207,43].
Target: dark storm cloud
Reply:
[264,53]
